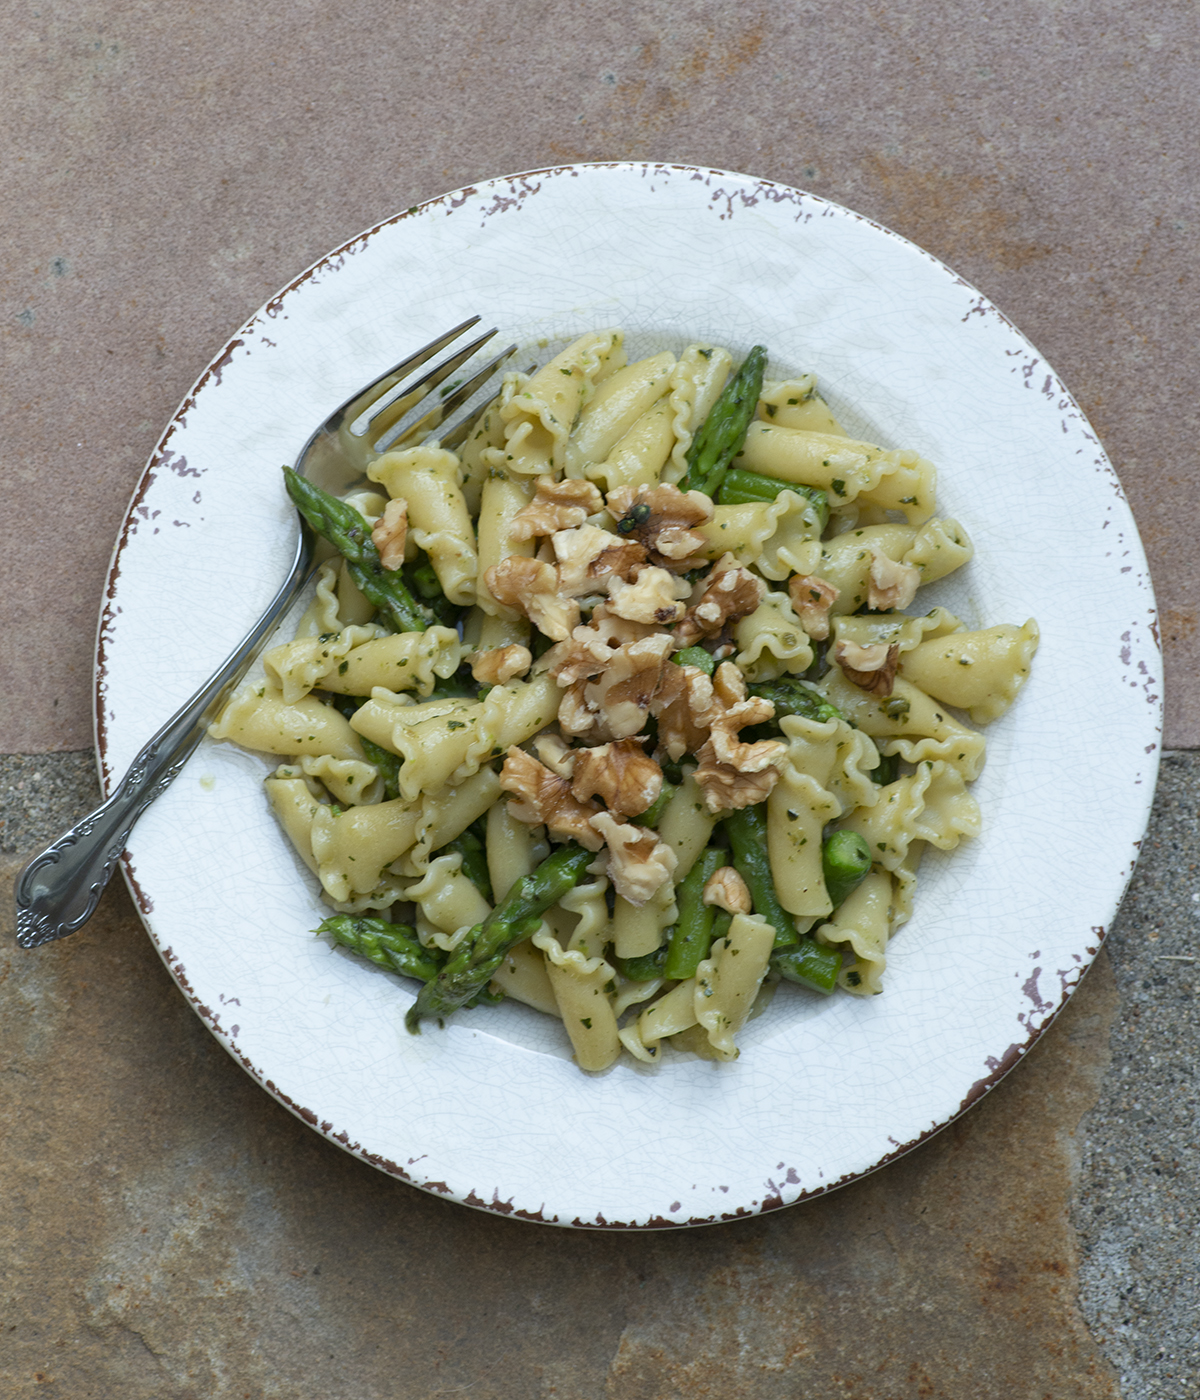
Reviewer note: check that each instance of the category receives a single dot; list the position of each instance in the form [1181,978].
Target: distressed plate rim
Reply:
[683,192]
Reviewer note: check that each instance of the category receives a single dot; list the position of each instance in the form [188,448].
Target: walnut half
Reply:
[501,664]
[872,667]
[557,505]
[728,593]
[545,798]
[663,520]
[532,587]
[727,890]
[812,597]
[390,532]
[731,773]
[639,864]
[625,778]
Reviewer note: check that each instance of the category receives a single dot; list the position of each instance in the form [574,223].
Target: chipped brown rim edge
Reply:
[1003,1066]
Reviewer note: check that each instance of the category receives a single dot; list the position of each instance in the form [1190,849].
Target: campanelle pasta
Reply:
[672,623]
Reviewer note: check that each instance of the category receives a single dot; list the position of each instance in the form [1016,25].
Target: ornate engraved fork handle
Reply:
[58,891]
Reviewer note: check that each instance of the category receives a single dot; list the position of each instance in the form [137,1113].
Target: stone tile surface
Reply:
[169,1232]
[1138,1207]
[143,1173]
[163,179]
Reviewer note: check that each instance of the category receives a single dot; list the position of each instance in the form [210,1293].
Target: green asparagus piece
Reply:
[819,667]
[387,763]
[791,696]
[810,965]
[692,935]
[391,946]
[696,656]
[420,578]
[425,580]
[741,488]
[650,817]
[723,432]
[347,531]
[462,685]
[474,863]
[845,861]
[887,770]
[474,962]
[747,832]
[645,968]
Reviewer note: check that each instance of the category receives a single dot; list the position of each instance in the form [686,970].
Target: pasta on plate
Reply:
[668,725]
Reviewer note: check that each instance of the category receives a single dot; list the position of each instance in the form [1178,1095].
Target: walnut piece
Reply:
[622,693]
[588,650]
[546,798]
[588,557]
[639,864]
[501,664]
[727,890]
[727,594]
[390,532]
[872,667]
[889,584]
[662,518]
[683,707]
[625,778]
[812,597]
[579,719]
[557,505]
[733,774]
[652,598]
[531,587]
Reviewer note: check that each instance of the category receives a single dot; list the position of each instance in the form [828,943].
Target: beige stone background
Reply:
[167,1230]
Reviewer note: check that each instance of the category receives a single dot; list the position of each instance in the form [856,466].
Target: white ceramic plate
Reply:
[491,1111]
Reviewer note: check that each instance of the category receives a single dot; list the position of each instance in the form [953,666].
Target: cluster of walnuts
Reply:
[616,672]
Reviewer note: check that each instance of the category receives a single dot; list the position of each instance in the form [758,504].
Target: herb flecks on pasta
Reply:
[621,712]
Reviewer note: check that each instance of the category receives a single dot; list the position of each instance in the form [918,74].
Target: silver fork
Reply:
[58,890]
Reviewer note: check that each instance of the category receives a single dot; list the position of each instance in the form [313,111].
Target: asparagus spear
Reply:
[845,861]
[347,531]
[692,935]
[810,965]
[391,946]
[791,696]
[474,962]
[799,959]
[744,488]
[723,432]
[644,968]
[747,831]
[474,862]
[696,656]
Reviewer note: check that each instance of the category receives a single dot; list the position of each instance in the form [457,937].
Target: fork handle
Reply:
[58,891]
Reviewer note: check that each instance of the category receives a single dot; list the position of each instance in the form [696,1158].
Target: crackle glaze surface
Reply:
[491,1111]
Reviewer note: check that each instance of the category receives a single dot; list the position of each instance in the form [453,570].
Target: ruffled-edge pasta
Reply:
[863,925]
[619,402]
[980,672]
[356,660]
[778,538]
[771,640]
[539,416]
[696,381]
[588,420]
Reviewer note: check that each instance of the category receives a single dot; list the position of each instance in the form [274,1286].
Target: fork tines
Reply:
[407,395]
